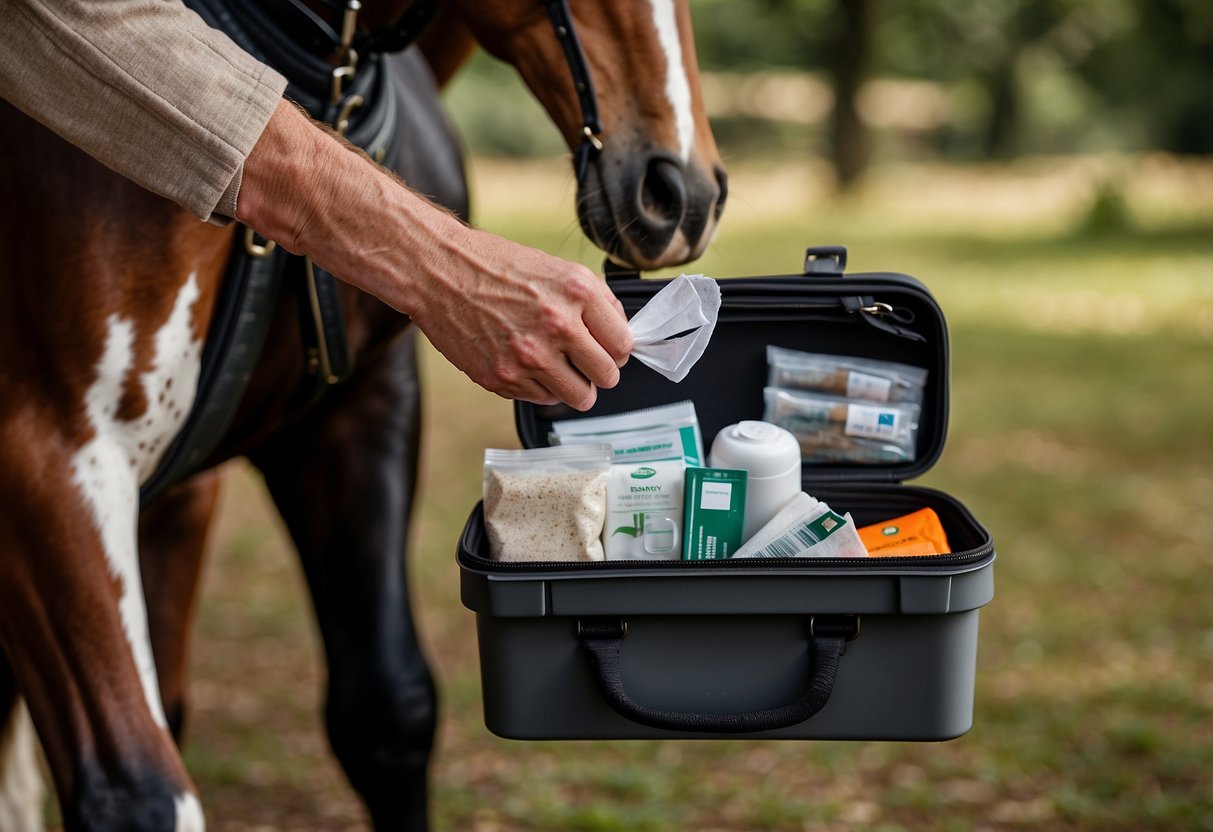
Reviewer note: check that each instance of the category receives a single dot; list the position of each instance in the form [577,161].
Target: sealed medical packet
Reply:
[644,511]
[845,376]
[833,429]
[665,432]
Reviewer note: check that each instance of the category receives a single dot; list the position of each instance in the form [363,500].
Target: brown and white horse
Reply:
[106,295]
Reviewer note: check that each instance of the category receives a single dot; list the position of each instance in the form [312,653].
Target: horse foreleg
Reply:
[172,538]
[74,631]
[344,483]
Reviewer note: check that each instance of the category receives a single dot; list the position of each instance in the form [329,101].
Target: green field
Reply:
[1082,435]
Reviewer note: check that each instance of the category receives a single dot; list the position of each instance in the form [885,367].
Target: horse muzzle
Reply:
[650,210]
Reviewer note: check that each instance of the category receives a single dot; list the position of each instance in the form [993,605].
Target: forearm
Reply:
[314,194]
[518,321]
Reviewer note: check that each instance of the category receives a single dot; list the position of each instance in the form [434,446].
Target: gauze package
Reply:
[668,431]
[672,330]
[644,511]
[806,528]
[546,503]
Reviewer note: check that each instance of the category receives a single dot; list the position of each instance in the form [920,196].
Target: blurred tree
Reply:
[986,43]
[835,36]
[760,34]
[1040,75]
[850,59]
[1159,72]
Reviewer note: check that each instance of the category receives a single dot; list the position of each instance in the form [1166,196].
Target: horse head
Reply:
[621,81]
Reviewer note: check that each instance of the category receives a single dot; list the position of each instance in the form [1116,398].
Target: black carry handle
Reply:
[602,640]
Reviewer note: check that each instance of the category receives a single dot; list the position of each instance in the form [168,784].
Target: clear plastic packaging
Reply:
[669,431]
[844,376]
[832,429]
[546,504]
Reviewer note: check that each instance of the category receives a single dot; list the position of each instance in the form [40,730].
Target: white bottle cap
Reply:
[763,449]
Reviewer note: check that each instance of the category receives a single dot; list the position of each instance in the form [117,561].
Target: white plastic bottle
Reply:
[771,455]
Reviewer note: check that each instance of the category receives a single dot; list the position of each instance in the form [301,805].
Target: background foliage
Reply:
[984,78]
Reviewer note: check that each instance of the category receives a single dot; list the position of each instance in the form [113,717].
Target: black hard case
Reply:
[880,648]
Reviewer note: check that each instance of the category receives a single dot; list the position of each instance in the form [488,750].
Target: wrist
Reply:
[270,199]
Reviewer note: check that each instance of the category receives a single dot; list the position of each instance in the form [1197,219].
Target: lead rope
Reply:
[583,85]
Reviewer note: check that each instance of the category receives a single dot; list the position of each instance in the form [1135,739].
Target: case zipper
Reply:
[878,564]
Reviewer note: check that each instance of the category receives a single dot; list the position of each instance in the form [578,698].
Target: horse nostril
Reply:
[663,194]
[722,180]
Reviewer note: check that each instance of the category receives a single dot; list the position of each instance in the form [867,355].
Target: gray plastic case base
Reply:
[905,678]
[728,637]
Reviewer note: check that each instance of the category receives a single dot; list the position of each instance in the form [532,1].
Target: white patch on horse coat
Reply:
[677,87]
[189,814]
[109,468]
[22,791]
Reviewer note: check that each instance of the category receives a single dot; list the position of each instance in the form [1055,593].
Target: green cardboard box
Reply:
[714,513]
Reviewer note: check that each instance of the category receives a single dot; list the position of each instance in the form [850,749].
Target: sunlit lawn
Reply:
[1082,435]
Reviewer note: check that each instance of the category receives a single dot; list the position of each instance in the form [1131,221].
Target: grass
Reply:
[1083,399]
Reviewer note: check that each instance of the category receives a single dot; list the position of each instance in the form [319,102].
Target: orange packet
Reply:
[917,533]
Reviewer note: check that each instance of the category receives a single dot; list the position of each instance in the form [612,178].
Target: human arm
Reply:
[519,322]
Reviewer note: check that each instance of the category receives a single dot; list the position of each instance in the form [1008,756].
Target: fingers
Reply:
[578,395]
[607,324]
[557,375]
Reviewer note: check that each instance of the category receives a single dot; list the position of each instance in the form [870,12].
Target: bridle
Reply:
[583,85]
[348,43]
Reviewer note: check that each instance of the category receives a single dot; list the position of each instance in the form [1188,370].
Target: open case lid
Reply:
[885,316]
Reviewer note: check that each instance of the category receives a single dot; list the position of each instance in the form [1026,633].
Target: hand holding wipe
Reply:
[672,330]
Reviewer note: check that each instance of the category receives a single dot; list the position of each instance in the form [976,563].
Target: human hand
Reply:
[524,324]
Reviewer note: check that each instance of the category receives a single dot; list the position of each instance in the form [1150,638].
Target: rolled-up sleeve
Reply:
[143,86]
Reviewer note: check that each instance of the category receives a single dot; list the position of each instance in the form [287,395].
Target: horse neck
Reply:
[447,44]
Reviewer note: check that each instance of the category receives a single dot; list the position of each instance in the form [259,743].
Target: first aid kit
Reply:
[653,645]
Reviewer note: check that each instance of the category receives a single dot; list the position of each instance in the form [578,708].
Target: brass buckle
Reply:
[255,248]
[591,138]
[322,364]
[342,122]
[348,55]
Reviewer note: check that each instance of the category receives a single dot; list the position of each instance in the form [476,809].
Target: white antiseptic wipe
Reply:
[805,528]
[686,307]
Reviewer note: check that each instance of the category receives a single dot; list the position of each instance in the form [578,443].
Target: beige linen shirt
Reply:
[143,86]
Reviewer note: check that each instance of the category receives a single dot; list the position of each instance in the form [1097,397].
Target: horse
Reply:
[109,295]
